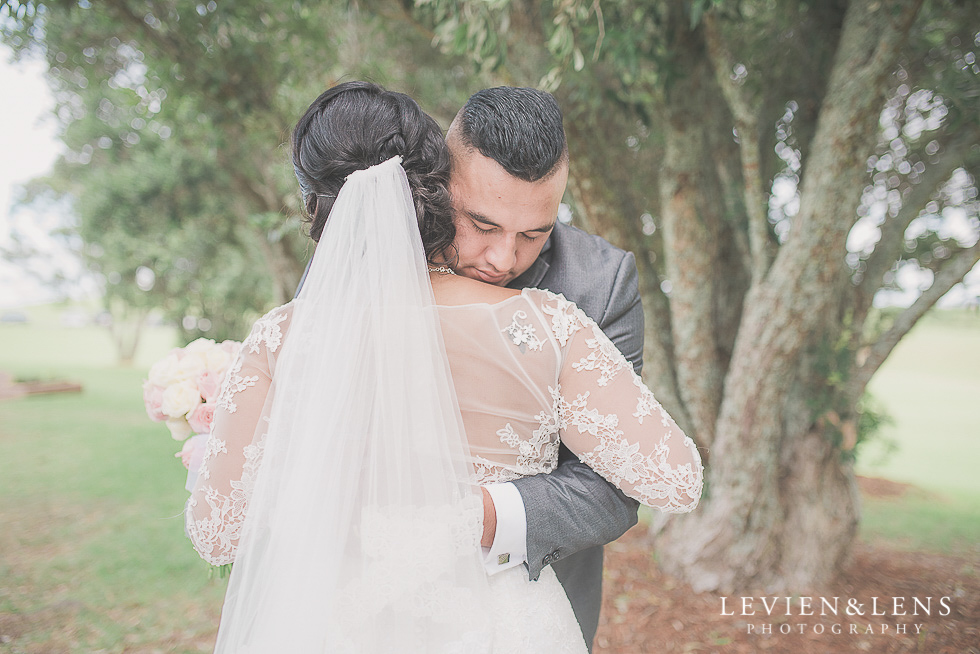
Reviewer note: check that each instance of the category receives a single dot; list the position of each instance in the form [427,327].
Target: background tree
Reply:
[176,116]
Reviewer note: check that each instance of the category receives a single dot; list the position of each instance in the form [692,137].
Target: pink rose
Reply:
[200,418]
[192,452]
[153,400]
[186,452]
[209,383]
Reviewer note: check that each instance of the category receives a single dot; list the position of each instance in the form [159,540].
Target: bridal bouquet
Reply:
[182,391]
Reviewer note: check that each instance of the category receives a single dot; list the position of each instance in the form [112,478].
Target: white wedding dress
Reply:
[528,372]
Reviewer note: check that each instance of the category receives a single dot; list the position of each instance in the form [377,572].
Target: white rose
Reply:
[179,428]
[217,360]
[200,345]
[180,399]
[164,372]
[191,365]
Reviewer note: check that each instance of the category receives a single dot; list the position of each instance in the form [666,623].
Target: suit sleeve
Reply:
[573,508]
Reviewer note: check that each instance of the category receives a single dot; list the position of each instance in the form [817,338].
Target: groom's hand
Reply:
[489,520]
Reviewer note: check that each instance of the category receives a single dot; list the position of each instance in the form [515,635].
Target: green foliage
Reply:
[850,428]
[476,29]
[872,420]
[174,115]
[220,571]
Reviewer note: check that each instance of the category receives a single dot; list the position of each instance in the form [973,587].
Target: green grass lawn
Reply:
[930,386]
[92,551]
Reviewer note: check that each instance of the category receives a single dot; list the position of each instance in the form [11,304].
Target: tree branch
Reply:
[175,50]
[889,247]
[956,267]
[746,123]
[892,40]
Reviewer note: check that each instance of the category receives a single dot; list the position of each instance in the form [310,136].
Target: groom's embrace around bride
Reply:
[508,174]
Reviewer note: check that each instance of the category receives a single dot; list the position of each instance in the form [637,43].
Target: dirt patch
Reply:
[11,388]
[645,610]
[884,488]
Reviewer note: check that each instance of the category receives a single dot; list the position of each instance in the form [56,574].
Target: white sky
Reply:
[28,148]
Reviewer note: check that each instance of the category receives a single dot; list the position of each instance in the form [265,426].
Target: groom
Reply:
[508,174]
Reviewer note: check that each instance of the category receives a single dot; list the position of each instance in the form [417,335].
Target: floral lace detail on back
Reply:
[518,400]
[591,400]
[534,455]
[565,321]
[522,334]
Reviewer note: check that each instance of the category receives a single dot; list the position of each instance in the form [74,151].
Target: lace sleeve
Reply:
[612,421]
[216,510]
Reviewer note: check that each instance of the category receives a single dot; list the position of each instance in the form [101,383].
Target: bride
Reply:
[355,427]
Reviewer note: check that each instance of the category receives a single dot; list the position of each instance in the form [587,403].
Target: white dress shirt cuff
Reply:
[509,547]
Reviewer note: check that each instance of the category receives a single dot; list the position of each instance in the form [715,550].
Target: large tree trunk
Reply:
[780,509]
[817,491]
[693,214]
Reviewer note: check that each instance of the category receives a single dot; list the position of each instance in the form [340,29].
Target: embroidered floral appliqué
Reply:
[523,335]
[623,462]
[489,472]
[536,454]
[266,330]
[234,383]
[213,447]
[216,536]
[564,322]
[603,357]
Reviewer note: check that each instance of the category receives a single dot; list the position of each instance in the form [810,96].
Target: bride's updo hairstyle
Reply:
[356,125]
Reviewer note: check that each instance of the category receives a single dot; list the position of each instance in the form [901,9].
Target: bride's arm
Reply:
[215,512]
[573,508]
[613,423]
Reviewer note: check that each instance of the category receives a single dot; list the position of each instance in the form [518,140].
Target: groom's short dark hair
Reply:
[519,128]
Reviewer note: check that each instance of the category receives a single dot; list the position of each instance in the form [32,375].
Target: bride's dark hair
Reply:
[355,125]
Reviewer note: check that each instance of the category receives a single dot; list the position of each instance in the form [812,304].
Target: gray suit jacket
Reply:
[572,512]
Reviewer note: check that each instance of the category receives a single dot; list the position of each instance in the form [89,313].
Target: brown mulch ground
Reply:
[645,610]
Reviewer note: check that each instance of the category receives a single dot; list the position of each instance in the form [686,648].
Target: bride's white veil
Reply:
[362,533]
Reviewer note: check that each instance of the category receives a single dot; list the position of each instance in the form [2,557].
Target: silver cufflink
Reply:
[503,558]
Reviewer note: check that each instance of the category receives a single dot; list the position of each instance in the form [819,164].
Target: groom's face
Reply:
[502,222]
